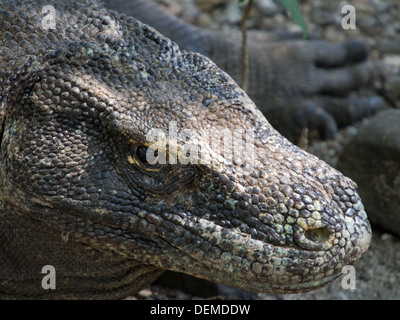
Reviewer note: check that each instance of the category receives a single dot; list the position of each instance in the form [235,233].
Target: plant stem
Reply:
[245,54]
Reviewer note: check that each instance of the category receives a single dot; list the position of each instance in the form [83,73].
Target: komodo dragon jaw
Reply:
[77,112]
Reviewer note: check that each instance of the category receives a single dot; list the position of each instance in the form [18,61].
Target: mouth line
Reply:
[302,287]
[256,265]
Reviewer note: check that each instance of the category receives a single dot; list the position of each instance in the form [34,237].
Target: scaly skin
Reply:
[77,103]
[296,84]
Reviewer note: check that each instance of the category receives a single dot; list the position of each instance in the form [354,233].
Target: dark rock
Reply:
[372,160]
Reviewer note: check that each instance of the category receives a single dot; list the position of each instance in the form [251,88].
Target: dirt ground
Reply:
[378,23]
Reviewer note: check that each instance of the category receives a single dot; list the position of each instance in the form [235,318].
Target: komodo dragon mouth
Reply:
[77,105]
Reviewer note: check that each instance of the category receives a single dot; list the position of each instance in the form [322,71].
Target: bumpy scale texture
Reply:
[297,84]
[77,103]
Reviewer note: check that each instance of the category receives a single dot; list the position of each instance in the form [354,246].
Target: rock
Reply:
[389,45]
[372,160]
[171,7]
[334,34]
[231,13]
[144,294]
[392,59]
[209,4]
[268,7]
[323,17]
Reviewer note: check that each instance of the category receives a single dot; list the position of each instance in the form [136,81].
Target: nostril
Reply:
[313,238]
[318,235]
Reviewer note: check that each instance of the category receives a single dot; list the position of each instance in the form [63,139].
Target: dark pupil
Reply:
[141,154]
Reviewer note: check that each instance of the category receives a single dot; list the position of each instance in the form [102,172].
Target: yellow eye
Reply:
[144,157]
[141,152]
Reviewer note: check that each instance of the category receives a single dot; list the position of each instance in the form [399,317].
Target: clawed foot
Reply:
[316,85]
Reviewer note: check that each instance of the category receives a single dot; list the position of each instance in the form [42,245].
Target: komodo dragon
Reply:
[79,193]
[295,83]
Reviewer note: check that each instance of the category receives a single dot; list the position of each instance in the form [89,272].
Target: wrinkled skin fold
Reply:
[77,103]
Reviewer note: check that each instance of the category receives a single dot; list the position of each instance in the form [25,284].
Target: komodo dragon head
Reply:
[116,140]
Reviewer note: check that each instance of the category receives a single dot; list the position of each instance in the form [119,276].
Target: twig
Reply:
[303,140]
[245,54]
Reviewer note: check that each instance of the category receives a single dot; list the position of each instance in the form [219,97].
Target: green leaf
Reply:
[293,8]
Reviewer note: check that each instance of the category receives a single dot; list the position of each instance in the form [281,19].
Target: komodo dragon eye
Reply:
[144,157]
[148,171]
[141,152]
